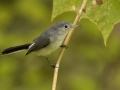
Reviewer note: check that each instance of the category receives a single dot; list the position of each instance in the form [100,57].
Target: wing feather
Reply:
[40,42]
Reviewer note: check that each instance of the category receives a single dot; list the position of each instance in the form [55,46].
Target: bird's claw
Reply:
[54,66]
[64,46]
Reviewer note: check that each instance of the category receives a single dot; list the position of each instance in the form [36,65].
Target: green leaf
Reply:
[105,16]
[60,6]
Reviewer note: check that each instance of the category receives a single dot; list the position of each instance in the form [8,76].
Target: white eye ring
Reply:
[66,26]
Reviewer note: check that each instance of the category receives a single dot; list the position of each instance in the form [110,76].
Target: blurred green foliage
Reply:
[86,65]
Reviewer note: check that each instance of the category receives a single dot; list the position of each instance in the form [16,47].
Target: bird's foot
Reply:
[64,46]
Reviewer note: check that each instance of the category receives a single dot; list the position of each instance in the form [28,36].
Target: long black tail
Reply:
[16,48]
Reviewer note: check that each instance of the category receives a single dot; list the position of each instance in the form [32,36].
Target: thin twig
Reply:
[82,9]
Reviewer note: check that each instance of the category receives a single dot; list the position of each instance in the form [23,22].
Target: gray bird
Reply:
[50,40]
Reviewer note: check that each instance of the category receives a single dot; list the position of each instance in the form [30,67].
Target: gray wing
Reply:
[40,42]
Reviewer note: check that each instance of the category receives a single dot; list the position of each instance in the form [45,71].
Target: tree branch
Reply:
[82,9]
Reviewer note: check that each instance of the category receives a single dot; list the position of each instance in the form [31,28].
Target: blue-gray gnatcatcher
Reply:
[50,40]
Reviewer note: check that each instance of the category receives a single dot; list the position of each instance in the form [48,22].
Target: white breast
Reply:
[54,44]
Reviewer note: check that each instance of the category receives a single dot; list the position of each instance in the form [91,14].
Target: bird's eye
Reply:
[65,26]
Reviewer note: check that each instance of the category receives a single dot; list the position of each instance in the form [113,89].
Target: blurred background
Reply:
[86,65]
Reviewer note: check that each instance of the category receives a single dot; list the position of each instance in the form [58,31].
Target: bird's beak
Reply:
[75,25]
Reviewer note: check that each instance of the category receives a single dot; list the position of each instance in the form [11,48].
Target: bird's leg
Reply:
[64,46]
[52,65]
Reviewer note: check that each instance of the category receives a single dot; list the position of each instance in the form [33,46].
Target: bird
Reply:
[49,41]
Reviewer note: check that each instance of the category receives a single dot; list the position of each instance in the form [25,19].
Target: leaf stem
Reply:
[81,10]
